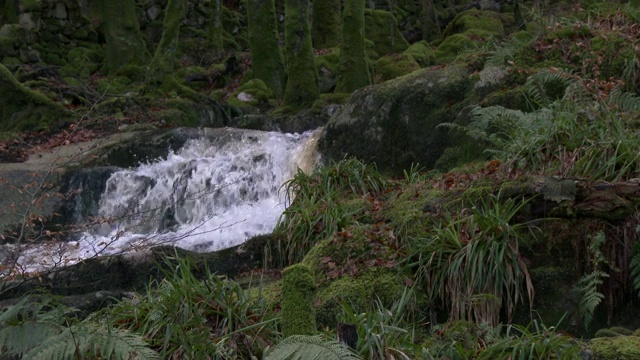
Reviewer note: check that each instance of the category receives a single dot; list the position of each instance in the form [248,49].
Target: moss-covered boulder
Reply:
[356,266]
[616,348]
[422,53]
[252,94]
[382,28]
[478,22]
[391,66]
[394,124]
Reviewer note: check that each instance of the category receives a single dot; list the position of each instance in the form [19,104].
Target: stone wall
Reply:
[44,31]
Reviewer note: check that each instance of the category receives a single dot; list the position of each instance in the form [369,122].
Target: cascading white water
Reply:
[207,196]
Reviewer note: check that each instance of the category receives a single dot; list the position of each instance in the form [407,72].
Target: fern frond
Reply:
[546,87]
[18,339]
[310,347]
[84,340]
[625,101]
[591,298]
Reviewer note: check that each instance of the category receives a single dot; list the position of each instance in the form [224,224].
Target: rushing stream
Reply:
[206,196]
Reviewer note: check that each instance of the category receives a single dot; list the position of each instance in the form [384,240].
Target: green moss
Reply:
[422,53]
[268,63]
[391,66]
[326,24]
[327,64]
[302,82]
[24,109]
[606,333]
[353,70]
[616,348]
[298,293]
[253,93]
[478,21]
[381,28]
[83,61]
[452,47]
[357,266]
[359,293]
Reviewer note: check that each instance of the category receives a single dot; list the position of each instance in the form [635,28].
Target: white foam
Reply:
[206,196]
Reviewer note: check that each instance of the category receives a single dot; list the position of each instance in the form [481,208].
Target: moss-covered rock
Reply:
[253,93]
[391,66]
[616,348]
[422,53]
[83,62]
[298,294]
[479,22]
[356,266]
[382,28]
[394,124]
[452,47]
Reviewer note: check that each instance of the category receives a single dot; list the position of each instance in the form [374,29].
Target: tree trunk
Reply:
[430,26]
[353,71]
[268,64]
[216,31]
[164,58]
[325,28]
[24,109]
[302,78]
[125,44]
[8,12]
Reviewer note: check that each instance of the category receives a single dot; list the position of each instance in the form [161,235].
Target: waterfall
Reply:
[211,194]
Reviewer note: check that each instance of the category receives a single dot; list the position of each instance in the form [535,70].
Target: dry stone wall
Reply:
[45,31]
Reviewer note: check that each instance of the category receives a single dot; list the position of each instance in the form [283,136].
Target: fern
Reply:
[93,341]
[590,283]
[302,347]
[547,87]
[625,101]
[39,330]
[591,298]
[635,264]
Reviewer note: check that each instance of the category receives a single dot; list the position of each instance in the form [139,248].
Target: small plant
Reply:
[316,206]
[589,284]
[183,316]
[382,332]
[535,341]
[472,265]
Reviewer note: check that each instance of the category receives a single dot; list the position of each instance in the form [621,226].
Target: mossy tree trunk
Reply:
[353,70]
[125,44]
[164,59]
[216,31]
[8,12]
[325,27]
[298,293]
[430,25]
[268,64]
[302,78]
[24,109]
